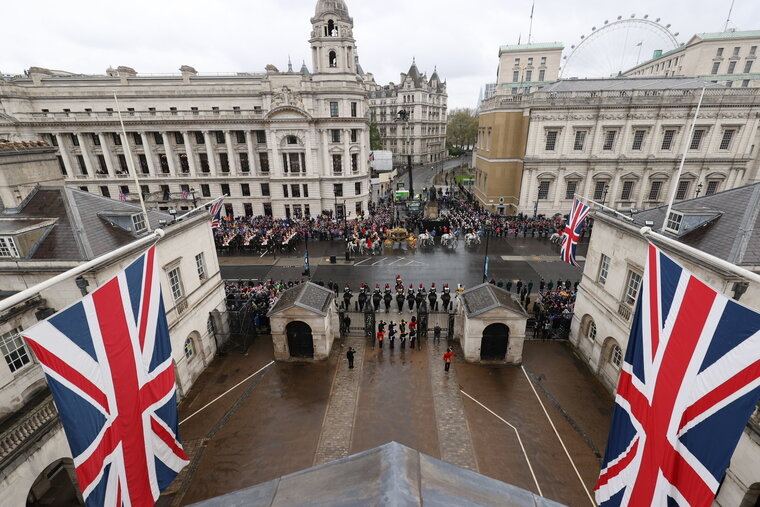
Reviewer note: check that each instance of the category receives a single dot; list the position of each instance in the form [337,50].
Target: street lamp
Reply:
[192,194]
[604,194]
[699,189]
[487,229]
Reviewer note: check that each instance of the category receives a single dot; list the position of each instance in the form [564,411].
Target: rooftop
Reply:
[308,296]
[536,46]
[729,35]
[629,83]
[486,297]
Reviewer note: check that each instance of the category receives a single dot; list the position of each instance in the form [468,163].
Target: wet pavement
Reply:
[290,417]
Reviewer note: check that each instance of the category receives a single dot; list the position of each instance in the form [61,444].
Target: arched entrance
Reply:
[56,485]
[493,347]
[752,498]
[300,341]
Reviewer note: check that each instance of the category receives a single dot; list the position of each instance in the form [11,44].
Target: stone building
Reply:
[52,230]
[424,134]
[524,68]
[721,57]
[618,141]
[281,143]
[726,225]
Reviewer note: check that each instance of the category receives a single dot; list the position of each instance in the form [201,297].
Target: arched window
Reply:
[591,331]
[616,356]
[292,140]
[333,57]
[189,348]
[332,31]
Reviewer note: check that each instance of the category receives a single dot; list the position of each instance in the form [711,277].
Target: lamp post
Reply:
[487,229]
[195,201]
[699,189]
[604,195]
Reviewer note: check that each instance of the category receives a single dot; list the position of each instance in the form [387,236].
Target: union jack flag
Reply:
[572,232]
[216,213]
[688,385]
[109,366]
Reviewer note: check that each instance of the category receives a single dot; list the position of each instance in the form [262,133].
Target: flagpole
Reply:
[202,206]
[22,296]
[591,201]
[647,232]
[676,181]
[131,166]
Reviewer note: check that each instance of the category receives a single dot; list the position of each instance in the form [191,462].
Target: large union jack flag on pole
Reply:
[216,213]
[572,233]
[689,383]
[109,366]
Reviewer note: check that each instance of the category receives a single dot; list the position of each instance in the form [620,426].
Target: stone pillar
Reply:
[107,154]
[326,159]
[589,183]
[643,188]
[189,152]
[363,158]
[612,194]
[149,153]
[65,154]
[85,149]
[275,165]
[124,144]
[251,151]
[731,181]
[526,192]
[346,152]
[231,153]
[558,191]
[307,160]
[210,152]
[169,154]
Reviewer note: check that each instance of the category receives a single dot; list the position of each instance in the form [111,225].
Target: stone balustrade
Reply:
[27,430]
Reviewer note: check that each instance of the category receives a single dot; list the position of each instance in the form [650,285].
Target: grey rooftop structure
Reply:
[392,475]
[308,296]
[486,297]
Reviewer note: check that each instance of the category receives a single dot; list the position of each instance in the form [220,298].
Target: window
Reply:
[731,67]
[306,190]
[14,350]
[337,162]
[530,61]
[82,165]
[265,189]
[295,190]
[719,53]
[616,356]
[248,209]
[358,188]
[116,139]
[199,139]
[748,66]
[104,191]
[632,286]
[696,139]
[244,167]
[591,333]
[728,135]
[219,137]
[752,50]
[515,76]
[541,75]
[333,109]
[158,138]
[264,162]
[354,135]
[736,51]
[8,247]
[604,269]
[745,83]
[96,139]
[517,62]
[654,191]
[338,189]
[682,190]
[354,109]
[580,139]
[267,209]
[355,162]
[335,135]
[667,139]
[358,208]
[306,211]
[529,75]
[600,190]
[144,189]
[287,211]
[226,189]
[205,190]
[543,60]
[712,187]
[62,165]
[245,189]
[638,139]
[175,282]
[240,137]
[285,191]
[543,190]
[715,67]
[200,265]
[194,110]
[551,139]
[261,137]
[572,186]
[138,222]
[292,140]
[625,195]
[189,349]
[609,140]
[674,222]
[74,140]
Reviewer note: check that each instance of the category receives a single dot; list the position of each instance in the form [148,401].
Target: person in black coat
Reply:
[376,298]
[410,299]
[387,298]
[400,301]
[432,299]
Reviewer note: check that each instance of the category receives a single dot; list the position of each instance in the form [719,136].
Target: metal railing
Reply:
[624,311]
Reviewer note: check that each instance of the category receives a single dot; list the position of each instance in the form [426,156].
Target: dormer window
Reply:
[138,223]
[673,224]
[8,247]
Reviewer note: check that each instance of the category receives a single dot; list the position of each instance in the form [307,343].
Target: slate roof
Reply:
[77,229]
[392,475]
[629,84]
[486,297]
[726,224]
[308,296]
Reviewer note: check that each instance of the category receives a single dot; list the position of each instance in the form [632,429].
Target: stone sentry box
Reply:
[303,323]
[490,325]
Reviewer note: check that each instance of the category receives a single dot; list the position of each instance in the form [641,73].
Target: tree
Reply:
[375,141]
[462,129]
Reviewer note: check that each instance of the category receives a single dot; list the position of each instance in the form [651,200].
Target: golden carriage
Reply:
[400,236]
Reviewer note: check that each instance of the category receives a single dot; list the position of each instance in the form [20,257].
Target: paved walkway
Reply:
[338,426]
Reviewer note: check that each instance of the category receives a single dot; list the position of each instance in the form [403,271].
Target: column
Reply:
[326,169]
[731,181]
[210,152]
[149,153]
[107,153]
[612,195]
[251,151]
[643,188]
[169,153]
[275,164]
[346,152]
[362,152]
[309,169]
[189,152]
[86,153]
[589,182]
[525,192]
[65,155]
[124,144]
[231,153]
[559,191]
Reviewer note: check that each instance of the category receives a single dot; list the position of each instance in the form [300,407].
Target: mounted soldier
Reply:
[410,299]
[362,297]
[347,295]
[446,297]
[376,298]
[400,299]
[420,297]
[432,299]
[387,298]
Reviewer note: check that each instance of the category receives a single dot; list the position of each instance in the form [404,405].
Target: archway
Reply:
[752,497]
[300,340]
[56,485]
[611,360]
[493,346]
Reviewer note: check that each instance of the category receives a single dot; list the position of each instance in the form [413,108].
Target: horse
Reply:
[425,239]
[471,239]
[556,238]
[449,240]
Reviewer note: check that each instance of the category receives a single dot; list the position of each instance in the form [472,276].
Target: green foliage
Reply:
[462,129]
[375,141]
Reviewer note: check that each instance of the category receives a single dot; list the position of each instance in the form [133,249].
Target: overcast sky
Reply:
[461,38]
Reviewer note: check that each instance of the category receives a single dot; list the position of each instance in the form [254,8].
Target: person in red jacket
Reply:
[447,358]
[380,338]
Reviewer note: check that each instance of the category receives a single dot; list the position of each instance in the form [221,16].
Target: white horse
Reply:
[471,239]
[425,239]
[449,240]
[556,238]
[352,247]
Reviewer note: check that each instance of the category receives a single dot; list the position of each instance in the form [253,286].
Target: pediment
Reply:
[4,118]
[630,176]
[574,176]
[288,112]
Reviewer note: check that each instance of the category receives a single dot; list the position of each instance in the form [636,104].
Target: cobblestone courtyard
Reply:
[290,417]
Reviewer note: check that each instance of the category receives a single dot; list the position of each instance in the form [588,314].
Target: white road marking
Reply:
[362,262]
